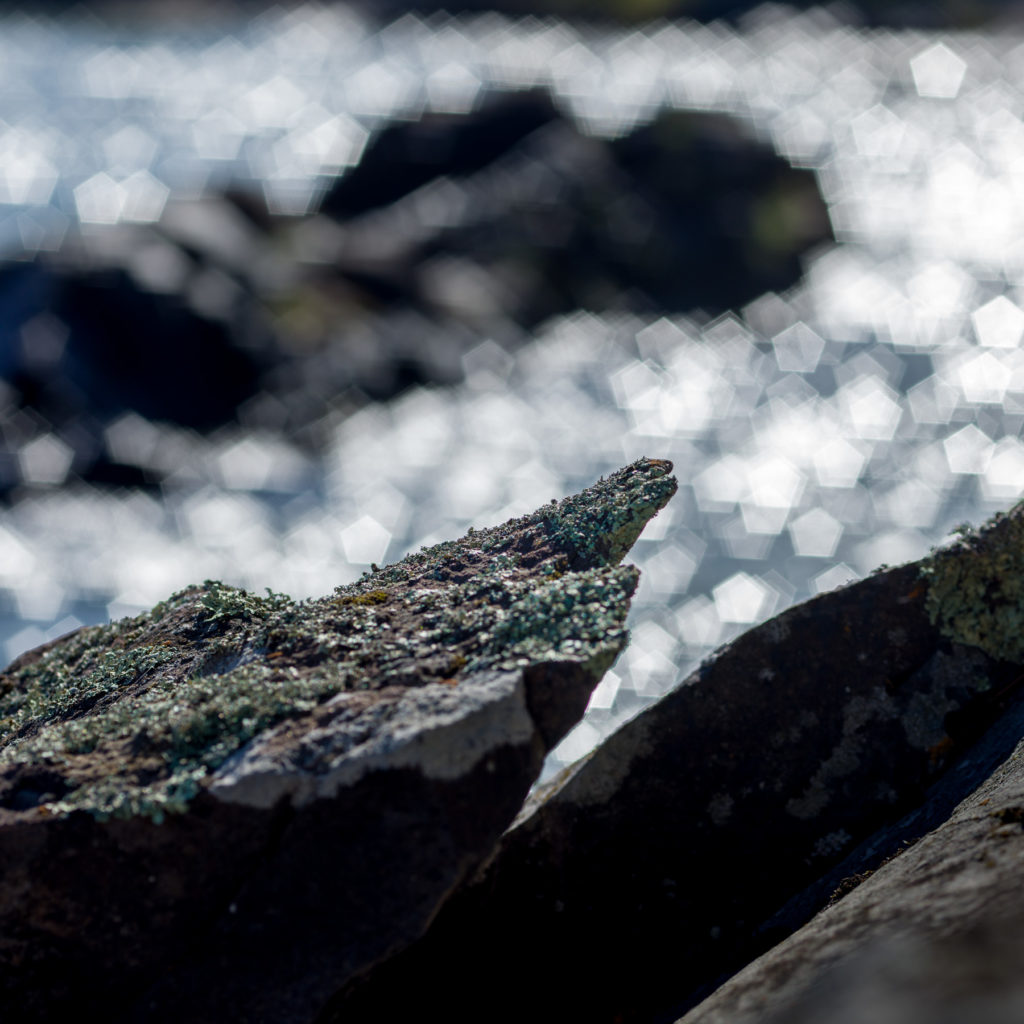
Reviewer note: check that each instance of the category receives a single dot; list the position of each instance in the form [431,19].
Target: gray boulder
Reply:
[721,818]
[230,807]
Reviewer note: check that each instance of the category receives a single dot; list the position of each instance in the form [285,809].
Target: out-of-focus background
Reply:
[286,292]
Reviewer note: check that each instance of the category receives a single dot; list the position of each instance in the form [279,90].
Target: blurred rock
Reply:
[687,212]
[451,229]
[406,156]
[89,336]
[231,806]
[888,13]
[681,847]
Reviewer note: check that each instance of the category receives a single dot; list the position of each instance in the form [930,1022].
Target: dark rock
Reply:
[875,13]
[406,156]
[229,807]
[82,342]
[657,865]
[683,213]
[82,337]
[935,935]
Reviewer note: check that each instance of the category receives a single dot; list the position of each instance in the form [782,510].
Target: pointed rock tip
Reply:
[601,523]
[588,530]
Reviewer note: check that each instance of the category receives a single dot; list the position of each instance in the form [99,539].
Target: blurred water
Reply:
[816,434]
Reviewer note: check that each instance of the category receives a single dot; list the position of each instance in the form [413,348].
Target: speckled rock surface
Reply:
[934,936]
[711,825]
[227,808]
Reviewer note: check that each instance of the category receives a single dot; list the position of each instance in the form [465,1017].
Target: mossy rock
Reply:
[229,806]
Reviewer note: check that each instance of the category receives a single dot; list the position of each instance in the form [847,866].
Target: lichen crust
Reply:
[136,716]
[976,586]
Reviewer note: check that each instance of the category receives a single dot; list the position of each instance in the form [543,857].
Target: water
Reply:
[850,422]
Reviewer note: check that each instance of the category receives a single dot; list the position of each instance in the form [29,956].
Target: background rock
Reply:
[230,806]
[945,13]
[510,215]
[452,228]
[657,864]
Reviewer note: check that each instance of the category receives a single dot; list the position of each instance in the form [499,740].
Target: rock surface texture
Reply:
[724,816]
[934,936]
[231,806]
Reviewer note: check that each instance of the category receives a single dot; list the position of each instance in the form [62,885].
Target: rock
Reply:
[406,155]
[934,935]
[698,834]
[71,360]
[512,215]
[229,807]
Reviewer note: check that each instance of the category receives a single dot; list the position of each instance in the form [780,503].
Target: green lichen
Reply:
[373,597]
[593,528]
[976,586]
[221,602]
[132,717]
[603,522]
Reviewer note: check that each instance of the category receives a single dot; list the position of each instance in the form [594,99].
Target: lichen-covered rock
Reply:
[227,808]
[699,833]
[976,587]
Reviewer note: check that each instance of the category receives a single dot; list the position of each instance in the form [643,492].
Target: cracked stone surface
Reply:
[722,817]
[231,806]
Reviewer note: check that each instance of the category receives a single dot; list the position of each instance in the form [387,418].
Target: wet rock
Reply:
[692,839]
[230,806]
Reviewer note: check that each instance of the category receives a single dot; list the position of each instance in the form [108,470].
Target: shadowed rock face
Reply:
[934,935]
[693,838]
[227,808]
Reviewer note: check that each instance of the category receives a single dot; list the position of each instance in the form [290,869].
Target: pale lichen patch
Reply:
[833,843]
[720,808]
[859,714]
